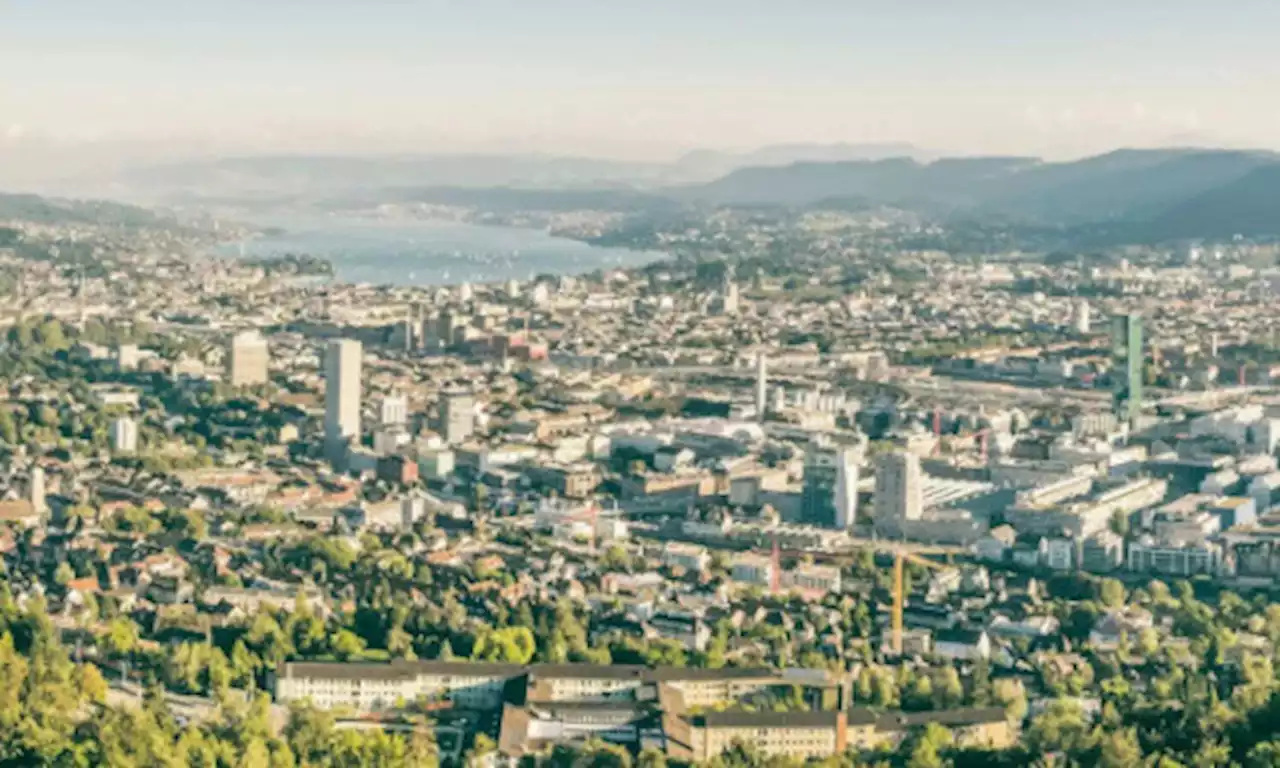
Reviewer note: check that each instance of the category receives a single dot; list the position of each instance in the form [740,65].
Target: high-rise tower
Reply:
[1127,365]
[762,386]
[342,372]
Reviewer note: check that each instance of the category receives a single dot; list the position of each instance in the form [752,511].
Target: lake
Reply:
[404,252]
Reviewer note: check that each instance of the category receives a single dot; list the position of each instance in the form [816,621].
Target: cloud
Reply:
[14,132]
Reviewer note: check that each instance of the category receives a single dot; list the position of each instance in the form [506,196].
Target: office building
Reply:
[1082,319]
[249,360]
[762,386]
[899,488]
[36,492]
[395,411]
[403,335]
[728,302]
[674,710]
[1127,365]
[456,417]
[124,435]
[127,357]
[830,495]
[342,372]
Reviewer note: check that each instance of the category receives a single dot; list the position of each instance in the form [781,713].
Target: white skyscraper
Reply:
[342,371]
[1082,316]
[249,360]
[729,302]
[37,491]
[124,435]
[762,385]
[845,497]
[899,488]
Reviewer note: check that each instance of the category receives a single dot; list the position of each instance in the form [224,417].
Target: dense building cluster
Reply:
[710,507]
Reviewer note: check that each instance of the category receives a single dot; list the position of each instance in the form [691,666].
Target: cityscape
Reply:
[820,454]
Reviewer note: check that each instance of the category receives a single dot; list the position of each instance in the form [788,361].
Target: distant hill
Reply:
[1126,185]
[948,182]
[705,164]
[274,176]
[278,176]
[1149,194]
[47,210]
[1249,206]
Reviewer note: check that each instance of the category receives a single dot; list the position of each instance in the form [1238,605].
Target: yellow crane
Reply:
[900,556]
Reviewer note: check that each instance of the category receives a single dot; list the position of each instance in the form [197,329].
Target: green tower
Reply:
[1127,365]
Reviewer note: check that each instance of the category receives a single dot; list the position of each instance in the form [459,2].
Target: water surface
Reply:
[404,252]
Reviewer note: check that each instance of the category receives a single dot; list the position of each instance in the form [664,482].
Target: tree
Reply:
[886,690]
[8,429]
[1060,727]
[921,693]
[1148,642]
[121,637]
[1265,754]
[924,749]
[1119,523]
[1119,749]
[244,665]
[511,644]
[481,747]
[346,645]
[981,692]
[948,691]
[1111,592]
[308,732]
[63,574]
[651,757]
[51,335]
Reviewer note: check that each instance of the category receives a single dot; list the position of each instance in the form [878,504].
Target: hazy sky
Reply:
[638,78]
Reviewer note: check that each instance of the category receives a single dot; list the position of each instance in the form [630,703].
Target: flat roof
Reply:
[403,670]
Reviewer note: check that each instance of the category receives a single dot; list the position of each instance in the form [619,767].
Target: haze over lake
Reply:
[403,252]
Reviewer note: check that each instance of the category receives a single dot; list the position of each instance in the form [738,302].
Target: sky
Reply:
[633,79]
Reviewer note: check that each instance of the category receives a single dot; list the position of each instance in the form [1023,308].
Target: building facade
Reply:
[830,495]
[456,418]
[342,375]
[249,358]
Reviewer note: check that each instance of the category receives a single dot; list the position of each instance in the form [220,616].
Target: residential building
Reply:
[248,360]
[899,488]
[690,557]
[124,436]
[1183,559]
[456,417]
[962,644]
[394,411]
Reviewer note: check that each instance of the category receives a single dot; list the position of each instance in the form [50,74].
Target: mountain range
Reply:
[1129,195]
[1125,185]
[276,176]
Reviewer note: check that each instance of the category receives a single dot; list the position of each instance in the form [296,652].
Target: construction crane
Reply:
[900,556]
